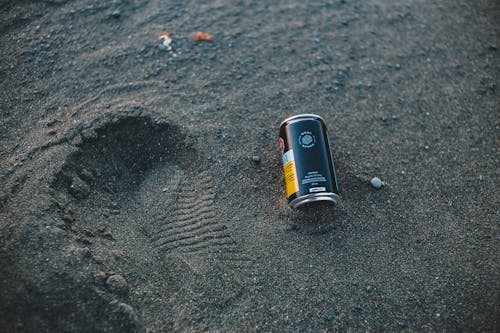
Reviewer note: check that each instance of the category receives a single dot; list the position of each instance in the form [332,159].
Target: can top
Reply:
[301,117]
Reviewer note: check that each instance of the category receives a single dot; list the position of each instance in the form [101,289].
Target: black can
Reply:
[308,161]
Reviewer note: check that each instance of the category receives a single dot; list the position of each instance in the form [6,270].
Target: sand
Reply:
[129,200]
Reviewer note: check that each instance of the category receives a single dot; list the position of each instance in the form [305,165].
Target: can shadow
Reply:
[324,217]
[316,219]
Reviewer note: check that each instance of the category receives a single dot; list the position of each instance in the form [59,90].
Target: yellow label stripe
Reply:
[292,183]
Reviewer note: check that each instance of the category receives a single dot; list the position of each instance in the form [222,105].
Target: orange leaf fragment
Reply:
[203,36]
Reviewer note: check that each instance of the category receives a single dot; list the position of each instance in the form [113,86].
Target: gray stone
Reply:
[117,284]
[78,188]
[376,182]
[256,158]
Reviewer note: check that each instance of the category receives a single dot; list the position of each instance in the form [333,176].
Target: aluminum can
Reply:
[308,161]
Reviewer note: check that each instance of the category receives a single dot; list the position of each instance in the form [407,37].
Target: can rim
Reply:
[315,197]
[302,115]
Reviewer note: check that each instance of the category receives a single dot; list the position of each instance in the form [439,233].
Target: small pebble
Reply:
[331,318]
[117,284]
[369,289]
[67,218]
[256,158]
[106,233]
[116,13]
[89,134]
[398,66]
[376,182]
[219,133]
[493,46]
[78,188]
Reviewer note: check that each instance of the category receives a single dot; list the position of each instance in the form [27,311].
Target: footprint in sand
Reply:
[150,200]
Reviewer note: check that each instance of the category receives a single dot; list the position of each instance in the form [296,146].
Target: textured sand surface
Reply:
[129,200]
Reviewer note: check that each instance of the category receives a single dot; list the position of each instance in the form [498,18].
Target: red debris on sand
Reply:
[203,36]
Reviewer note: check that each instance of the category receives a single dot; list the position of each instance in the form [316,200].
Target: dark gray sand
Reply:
[129,200]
